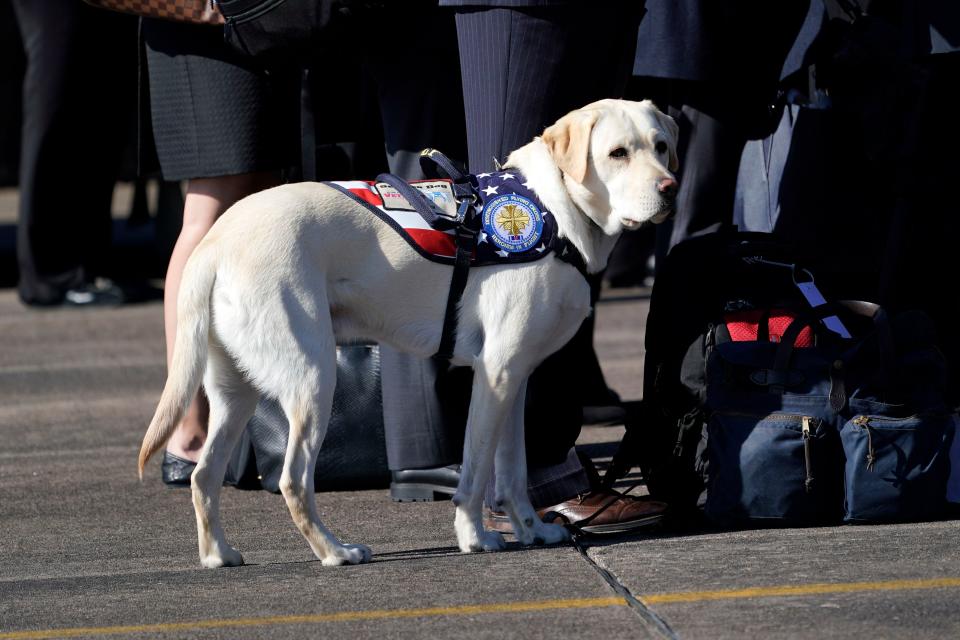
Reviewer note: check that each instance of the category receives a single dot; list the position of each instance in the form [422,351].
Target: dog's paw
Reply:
[348,554]
[484,541]
[544,533]
[538,533]
[222,556]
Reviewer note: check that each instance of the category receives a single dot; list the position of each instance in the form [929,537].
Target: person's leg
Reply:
[227,127]
[420,107]
[206,200]
[417,84]
[522,70]
[71,144]
[710,158]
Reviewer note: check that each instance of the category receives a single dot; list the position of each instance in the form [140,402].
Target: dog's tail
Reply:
[189,351]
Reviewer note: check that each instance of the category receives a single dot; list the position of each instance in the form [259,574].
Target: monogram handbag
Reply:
[196,11]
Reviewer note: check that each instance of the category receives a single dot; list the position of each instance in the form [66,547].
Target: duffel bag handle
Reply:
[881,323]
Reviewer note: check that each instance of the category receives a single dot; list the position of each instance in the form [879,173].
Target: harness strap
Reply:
[466,242]
[466,227]
[419,202]
[565,251]
[437,165]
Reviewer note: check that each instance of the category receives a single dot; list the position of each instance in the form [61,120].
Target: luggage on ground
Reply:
[765,403]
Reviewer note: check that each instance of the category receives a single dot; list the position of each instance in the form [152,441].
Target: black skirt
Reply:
[214,112]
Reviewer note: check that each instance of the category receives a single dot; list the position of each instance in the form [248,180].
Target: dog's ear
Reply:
[672,130]
[569,142]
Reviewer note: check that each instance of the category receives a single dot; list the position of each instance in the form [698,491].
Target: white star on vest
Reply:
[491,190]
[502,253]
[508,176]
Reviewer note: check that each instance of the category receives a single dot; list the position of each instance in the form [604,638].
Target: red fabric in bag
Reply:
[744,326]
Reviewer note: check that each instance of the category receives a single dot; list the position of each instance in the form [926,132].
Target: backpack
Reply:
[755,410]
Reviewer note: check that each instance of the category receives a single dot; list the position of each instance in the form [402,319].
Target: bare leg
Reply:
[206,200]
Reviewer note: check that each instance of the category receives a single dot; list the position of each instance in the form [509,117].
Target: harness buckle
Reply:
[464,210]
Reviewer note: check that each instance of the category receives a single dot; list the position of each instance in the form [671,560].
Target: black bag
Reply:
[694,284]
[297,31]
[801,433]
[277,30]
[353,455]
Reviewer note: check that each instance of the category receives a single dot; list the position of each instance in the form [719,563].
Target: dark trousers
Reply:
[79,92]
[522,70]
[397,96]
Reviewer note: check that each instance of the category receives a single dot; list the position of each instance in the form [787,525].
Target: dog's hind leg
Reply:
[308,409]
[495,390]
[232,402]
[511,482]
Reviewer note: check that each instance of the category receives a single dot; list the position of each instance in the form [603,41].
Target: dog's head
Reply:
[617,159]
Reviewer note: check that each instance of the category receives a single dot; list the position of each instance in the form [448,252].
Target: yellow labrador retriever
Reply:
[288,272]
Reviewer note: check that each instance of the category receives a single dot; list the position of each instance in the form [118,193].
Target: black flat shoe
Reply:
[424,485]
[176,471]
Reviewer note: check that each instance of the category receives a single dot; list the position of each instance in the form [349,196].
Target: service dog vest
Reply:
[466,221]
[514,226]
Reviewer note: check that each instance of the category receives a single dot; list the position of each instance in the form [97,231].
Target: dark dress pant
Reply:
[79,93]
[522,70]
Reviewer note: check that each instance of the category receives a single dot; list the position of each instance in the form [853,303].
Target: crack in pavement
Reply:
[653,625]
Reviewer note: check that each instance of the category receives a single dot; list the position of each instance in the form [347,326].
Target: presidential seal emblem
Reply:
[512,222]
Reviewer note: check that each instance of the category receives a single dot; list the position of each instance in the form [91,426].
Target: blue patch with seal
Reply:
[512,222]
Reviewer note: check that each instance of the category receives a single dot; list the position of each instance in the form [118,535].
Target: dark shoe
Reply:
[99,293]
[603,407]
[424,485]
[597,512]
[604,415]
[176,471]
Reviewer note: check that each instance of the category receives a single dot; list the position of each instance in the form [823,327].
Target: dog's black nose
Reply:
[668,187]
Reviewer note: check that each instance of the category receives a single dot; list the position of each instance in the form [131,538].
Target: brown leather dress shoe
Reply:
[597,512]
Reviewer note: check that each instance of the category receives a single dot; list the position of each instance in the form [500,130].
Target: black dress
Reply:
[215,112]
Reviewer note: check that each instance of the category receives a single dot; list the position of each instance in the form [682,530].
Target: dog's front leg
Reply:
[511,482]
[494,391]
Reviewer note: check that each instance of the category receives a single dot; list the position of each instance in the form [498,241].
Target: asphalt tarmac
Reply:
[88,551]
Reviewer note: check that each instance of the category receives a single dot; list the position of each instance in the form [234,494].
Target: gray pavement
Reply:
[86,550]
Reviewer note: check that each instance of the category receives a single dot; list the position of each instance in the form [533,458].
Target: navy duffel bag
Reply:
[815,428]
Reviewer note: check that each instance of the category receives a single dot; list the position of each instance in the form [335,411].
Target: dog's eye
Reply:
[619,152]
[660,147]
